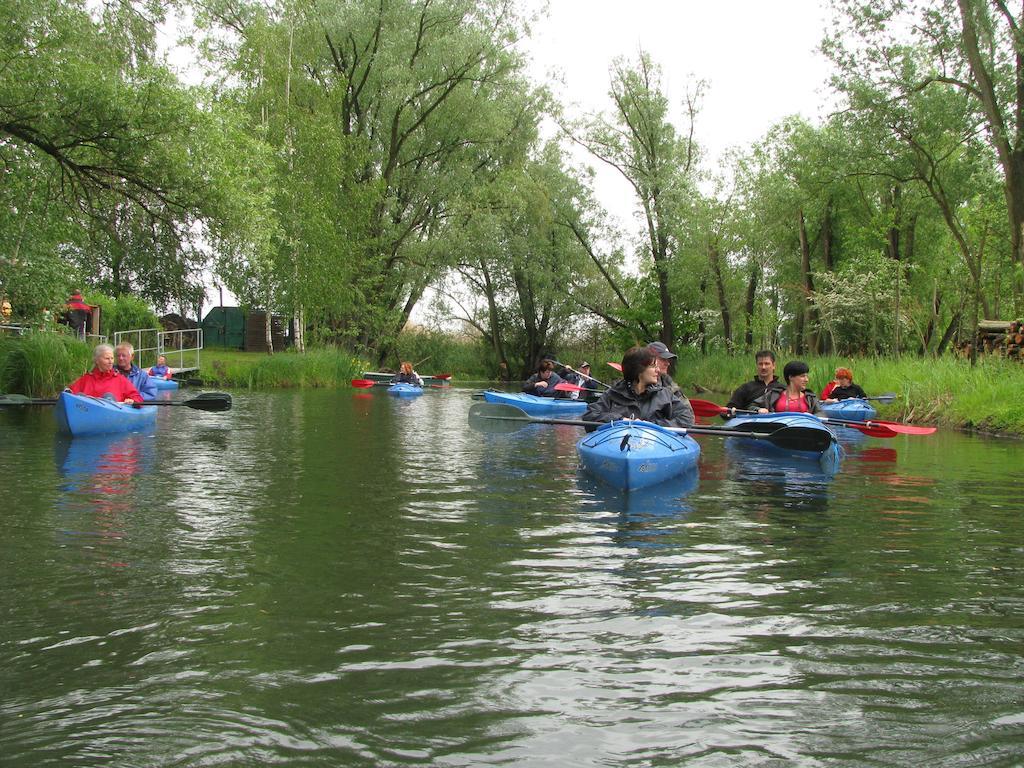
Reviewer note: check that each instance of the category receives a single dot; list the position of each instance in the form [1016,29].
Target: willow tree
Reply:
[962,54]
[103,149]
[637,139]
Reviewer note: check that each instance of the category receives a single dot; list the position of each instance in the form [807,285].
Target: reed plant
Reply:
[325,367]
[41,364]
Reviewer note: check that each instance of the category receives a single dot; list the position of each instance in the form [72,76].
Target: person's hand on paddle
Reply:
[541,385]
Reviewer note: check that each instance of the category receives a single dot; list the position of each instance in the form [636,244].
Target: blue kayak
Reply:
[851,409]
[164,383]
[753,422]
[630,455]
[83,415]
[405,390]
[538,406]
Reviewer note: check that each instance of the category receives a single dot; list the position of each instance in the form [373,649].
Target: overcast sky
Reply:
[758,57]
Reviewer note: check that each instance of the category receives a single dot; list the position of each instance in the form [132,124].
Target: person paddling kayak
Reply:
[795,398]
[103,380]
[755,395]
[842,388]
[123,353]
[640,395]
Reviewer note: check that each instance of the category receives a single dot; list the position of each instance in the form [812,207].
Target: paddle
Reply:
[208,401]
[589,378]
[500,418]
[362,383]
[616,366]
[884,399]
[873,428]
[565,386]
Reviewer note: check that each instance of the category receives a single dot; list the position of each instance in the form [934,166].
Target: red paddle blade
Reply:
[706,408]
[903,429]
[361,383]
[565,386]
[616,366]
[442,376]
[872,429]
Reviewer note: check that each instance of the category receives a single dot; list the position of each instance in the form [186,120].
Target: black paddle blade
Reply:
[210,401]
[801,439]
[20,400]
[496,418]
[765,427]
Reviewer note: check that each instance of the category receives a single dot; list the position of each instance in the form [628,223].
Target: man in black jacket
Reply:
[756,395]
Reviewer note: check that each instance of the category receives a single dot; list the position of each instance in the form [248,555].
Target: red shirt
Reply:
[828,389]
[96,384]
[797,404]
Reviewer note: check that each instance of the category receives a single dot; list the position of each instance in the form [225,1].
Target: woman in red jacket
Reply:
[103,380]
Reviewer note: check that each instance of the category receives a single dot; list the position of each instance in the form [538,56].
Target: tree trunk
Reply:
[715,262]
[806,337]
[750,304]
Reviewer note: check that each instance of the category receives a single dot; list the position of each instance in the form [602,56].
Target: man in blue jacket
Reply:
[123,353]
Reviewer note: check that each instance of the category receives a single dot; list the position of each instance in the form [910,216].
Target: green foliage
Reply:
[316,368]
[41,364]
[126,313]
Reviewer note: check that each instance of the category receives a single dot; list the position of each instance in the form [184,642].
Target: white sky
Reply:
[758,57]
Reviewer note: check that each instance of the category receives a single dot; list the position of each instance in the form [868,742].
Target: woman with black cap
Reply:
[795,398]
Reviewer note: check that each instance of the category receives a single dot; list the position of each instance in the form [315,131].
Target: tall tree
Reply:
[639,141]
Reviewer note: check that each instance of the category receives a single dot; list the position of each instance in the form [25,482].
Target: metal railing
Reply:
[181,348]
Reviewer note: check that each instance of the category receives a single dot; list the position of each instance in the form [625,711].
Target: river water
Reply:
[343,578]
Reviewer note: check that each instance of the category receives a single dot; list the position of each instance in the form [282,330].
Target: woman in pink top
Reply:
[795,398]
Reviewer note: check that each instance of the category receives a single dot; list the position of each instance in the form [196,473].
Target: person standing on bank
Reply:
[795,398]
[757,394]
[123,353]
[640,395]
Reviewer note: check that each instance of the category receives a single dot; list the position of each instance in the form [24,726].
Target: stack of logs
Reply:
[1001,337]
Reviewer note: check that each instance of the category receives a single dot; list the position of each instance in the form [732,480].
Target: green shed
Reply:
[224,327]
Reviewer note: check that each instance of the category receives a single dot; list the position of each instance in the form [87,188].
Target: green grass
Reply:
[256,370]
[945,391]
[41,364]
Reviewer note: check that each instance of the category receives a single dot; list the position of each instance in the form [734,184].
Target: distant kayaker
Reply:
[543,382]
[842,387]
[640,395]
[406,375]
[756,395]
[664,356]
[123,353]
[795,398]
[160,370]
[580,377]
[104,380]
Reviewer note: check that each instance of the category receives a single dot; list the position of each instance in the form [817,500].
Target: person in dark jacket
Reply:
[795,398]
[406,375]
[543,382]
[664,357]
[842,388]
[580,377]
[640,395]
[757,394]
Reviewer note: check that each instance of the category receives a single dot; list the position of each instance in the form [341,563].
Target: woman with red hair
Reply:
[841,388]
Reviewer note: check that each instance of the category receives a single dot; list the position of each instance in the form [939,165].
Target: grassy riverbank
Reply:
[947,392]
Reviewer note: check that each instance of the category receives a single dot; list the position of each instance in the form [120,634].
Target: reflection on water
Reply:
[101,476]
[336,578]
